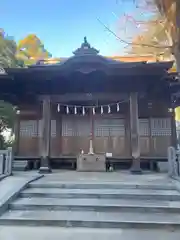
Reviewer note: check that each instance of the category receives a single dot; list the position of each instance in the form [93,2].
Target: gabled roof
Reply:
[87,59]
[84,54]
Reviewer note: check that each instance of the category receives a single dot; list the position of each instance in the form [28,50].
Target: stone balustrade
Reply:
[6,161]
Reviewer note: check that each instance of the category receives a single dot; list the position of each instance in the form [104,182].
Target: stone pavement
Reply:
[56,233]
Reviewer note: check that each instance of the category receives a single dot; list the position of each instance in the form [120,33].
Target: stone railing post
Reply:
[172,169]
[6,161]
[9,161]
[1,164]
[178,162]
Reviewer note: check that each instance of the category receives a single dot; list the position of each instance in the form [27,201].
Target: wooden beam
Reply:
[65,98]
[46,135]
[134,128]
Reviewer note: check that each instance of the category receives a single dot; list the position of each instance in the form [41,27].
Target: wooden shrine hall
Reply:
[89,104]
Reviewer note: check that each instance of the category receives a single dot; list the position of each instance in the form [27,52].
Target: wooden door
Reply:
[75,134]
[144,133]
[109,136]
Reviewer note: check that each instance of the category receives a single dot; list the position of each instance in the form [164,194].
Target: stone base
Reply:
[136,169]
[45,170]
[163,167]
[91,163]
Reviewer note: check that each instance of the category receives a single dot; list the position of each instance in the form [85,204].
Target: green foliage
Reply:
[7,52]
[7,59]
[7,117]
[8,143]
[27,52]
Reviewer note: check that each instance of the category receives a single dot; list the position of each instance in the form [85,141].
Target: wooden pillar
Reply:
[173,129]
[17,133]
[59,133]
[134,129]
[151,146]
[127,133]
[46,135]
[91,141]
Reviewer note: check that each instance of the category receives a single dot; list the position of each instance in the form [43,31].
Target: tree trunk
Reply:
[177,58]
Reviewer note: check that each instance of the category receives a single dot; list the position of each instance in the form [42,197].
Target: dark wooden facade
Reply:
[142,128]
[70,133]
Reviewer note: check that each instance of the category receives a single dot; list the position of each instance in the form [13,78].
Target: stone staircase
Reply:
[95,205]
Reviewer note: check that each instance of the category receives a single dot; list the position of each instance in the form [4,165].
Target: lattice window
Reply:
[144,127]
[82,126]
[28,128]
[109,127]
[161,126]
[67,127]
[77,127]
[53,128]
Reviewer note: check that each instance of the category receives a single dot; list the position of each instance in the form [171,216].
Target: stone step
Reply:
[90,219]
[101,185]
[20,165]
[60,233]
[116,205]
[169,195]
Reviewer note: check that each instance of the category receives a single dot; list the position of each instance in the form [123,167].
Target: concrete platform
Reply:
[108,177]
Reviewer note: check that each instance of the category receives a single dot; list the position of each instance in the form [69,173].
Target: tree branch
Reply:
[131,43]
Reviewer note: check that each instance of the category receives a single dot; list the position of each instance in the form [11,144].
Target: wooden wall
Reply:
[70,135]
[155,136]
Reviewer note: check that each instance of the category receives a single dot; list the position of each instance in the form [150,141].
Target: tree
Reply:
[31,49]
[170,10]
[7,116]
[153,35]
[7,51]
[7,59]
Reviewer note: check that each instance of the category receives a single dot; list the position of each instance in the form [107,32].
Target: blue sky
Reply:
[62,24]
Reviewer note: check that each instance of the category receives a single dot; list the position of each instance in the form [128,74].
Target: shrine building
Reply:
[92,104]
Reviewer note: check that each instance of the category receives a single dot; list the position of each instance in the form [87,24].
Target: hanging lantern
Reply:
[67,109]
[83,111]
[118,107]
[102,110]
[75,110]
[58,108]
[93,110]
[109,109]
